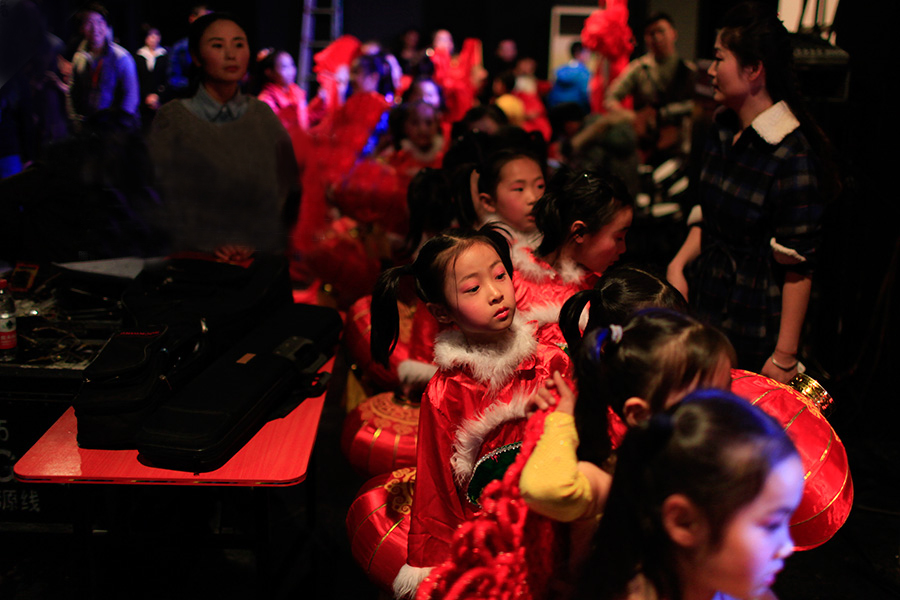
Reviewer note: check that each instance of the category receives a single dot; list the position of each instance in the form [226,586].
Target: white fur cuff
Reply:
[695,217]
[407,581]
[414,371]
[784,255]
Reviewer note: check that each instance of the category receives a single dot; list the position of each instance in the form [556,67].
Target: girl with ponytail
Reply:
[583,219]
[473,411]
[700,505]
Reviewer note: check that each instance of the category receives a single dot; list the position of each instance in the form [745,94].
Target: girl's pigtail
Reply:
[385,314]
[592,372]
[570,316]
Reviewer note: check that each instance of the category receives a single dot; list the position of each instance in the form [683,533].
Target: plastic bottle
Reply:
[8,340]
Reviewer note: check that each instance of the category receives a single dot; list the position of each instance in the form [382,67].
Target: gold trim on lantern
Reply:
[813,390]
[378,547]
[832,501]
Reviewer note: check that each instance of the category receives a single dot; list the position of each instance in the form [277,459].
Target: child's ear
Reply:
[636,411]
[578,229]
[488,204]
[439,312]
[683,521]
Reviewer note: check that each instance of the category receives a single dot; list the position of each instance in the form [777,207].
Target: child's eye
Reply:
[774,526]
[501,276]
[471,290]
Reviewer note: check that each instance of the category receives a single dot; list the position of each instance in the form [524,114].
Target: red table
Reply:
[277,456]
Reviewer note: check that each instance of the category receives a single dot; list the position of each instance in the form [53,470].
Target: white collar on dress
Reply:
[775,123]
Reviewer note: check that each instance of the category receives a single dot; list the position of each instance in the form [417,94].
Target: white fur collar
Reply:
[537,270]
[437,144]
[472,432]
[775,123]
[493,364]
[516,238]
[543,313]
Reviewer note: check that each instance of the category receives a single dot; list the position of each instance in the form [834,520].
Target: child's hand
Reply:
[566,394]
[542,399]
[546,397]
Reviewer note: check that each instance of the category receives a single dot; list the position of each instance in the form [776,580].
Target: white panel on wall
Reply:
[566,23]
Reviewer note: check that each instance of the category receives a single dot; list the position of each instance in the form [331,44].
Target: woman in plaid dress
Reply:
[751,248]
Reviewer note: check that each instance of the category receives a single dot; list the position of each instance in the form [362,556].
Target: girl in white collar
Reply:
[473,410]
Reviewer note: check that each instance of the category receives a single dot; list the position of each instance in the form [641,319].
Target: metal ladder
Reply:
[313,26]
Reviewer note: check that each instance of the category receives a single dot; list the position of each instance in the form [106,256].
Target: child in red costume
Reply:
[583,218]
[418,142]
[286,99]
[473,410]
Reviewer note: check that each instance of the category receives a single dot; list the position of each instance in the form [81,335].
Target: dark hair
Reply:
[620,292]
[429,270]
[419,80]
[195,34]
[660,352]
[430,205]
[93,7]
[259,79]
[716,449]
[588,196]
[475,114]
[507,79]
[575,48]
[377,63]
[659,16]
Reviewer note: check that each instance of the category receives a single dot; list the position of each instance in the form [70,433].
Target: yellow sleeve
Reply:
[551,481]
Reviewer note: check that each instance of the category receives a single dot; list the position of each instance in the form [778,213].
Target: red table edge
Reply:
[56,455]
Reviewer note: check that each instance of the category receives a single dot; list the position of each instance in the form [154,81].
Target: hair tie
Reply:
[597,350]
[615,332]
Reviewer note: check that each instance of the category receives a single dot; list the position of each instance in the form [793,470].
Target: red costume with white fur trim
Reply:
[541,291]
[474,408]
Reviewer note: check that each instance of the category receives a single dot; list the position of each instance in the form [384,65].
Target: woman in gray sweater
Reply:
[224,163]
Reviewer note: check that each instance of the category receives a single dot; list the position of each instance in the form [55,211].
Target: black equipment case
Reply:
[181,316]
[204,424]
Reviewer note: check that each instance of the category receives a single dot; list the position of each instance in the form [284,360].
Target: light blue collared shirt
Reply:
[207,108]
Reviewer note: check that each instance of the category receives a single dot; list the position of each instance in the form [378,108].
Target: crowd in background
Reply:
[210,145]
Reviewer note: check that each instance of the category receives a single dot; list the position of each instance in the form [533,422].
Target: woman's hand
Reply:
[233,252]
[774,367]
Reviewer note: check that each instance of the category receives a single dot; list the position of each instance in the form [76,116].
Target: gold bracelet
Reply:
[782,367]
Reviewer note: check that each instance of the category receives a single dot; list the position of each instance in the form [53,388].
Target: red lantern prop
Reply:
[380,434]
[378,525]
[828,490]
